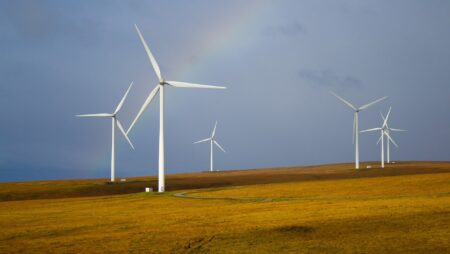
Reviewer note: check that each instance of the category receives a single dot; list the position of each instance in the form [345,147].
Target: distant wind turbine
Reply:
[382,134]
[389,140]
[160,88]
[115,122]
[356,123]
[213,142]
[384,131]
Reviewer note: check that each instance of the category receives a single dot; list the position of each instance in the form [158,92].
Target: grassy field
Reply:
[404,208]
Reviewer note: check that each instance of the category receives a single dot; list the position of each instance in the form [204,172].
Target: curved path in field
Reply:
[184,195]
[249,199]
[260,199]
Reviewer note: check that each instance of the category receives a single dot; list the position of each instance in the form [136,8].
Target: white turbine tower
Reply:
[213,142]
[115,122]
[356,123]
[160,88]
[390,139]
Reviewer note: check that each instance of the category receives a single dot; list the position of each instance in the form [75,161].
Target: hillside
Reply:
[100,187]
[404,208]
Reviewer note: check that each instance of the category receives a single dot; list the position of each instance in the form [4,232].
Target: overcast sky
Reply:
[278,59]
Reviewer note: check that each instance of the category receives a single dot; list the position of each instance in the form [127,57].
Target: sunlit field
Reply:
[404,208]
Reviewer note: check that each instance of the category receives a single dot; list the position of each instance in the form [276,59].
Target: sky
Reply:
[278,59]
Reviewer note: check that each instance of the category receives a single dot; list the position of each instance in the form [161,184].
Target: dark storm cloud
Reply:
[329,79]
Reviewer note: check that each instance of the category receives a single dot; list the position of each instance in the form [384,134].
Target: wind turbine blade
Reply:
[392,129]
[144,106]
[203,140]
[217,144]
[373,102]
[96,115]
[124,133]
[214,130]
[379,140]
[382,116]
[373,129]
[387,117]
[392,140]
[123,99]
[344,101]
[190,85]
[150,55]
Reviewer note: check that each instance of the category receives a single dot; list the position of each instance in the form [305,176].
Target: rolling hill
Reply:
[404,208]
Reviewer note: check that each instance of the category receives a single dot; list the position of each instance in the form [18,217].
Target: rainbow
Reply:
[223,34]
[221,37]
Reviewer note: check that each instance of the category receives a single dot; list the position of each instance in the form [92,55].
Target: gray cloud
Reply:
[329,79]
[285,30]
[41,21]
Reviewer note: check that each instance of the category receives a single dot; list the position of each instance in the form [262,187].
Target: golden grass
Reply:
[391,214]
[370,188]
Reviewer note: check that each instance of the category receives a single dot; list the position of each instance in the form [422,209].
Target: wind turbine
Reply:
[390,139]
[213,142]
[384,131]
[356,123]
[115,122]
[160,88]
